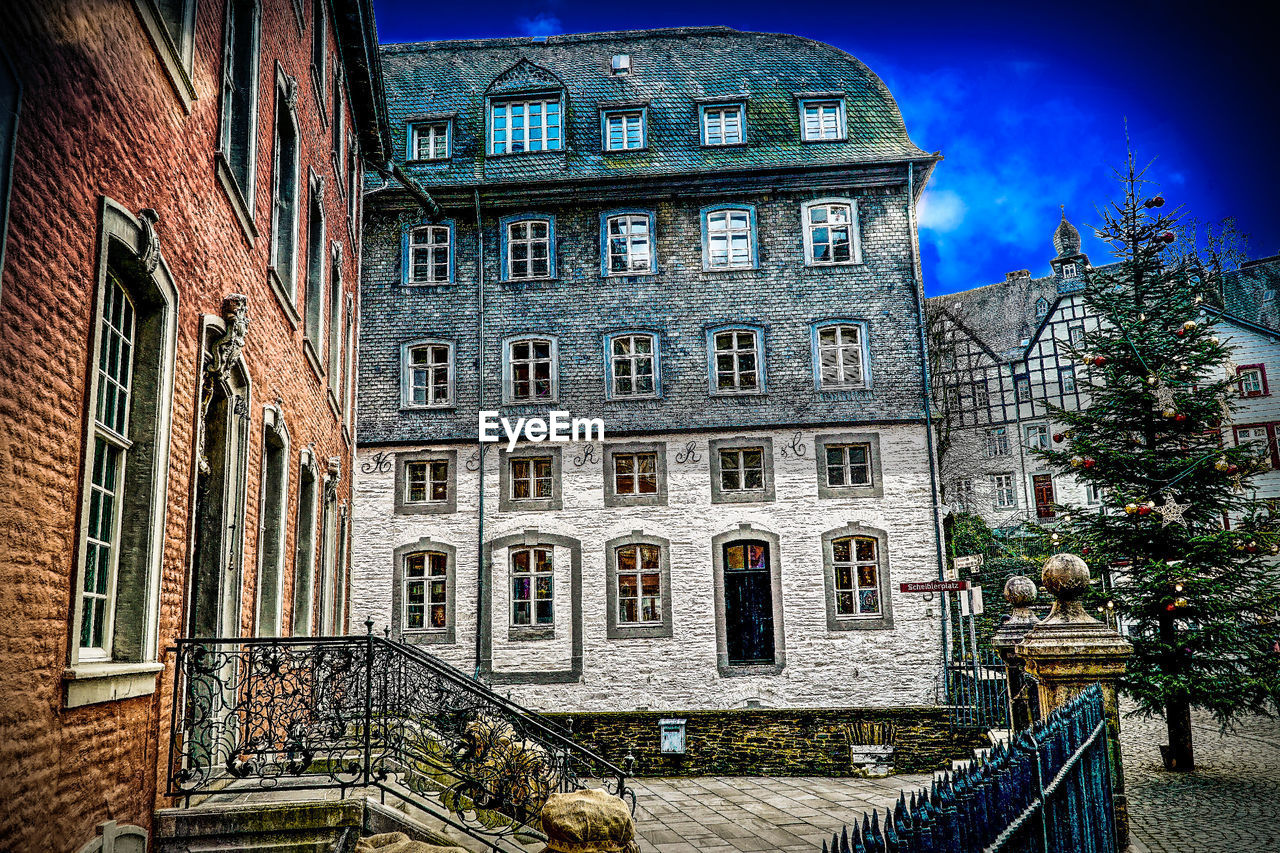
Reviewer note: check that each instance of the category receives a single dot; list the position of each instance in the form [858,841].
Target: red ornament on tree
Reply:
[1089,463]
[1144,510]
[1231,469]
[1099,360]
[1057,437]
[1180,418]
[1181,332]
[1168,237]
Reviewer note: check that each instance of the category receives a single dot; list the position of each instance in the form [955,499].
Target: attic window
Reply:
[1042,308]
[621,64]
[1068,270]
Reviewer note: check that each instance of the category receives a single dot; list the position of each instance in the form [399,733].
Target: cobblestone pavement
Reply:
[1231,802]
[718,814]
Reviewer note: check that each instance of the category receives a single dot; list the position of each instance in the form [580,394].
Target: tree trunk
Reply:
[1178,755]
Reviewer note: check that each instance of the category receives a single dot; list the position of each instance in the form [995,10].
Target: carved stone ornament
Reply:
[291,92]
[149,246]
[226,350]
[331,478]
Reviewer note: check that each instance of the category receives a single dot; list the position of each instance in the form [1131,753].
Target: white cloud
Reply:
[541,25]
[941,210]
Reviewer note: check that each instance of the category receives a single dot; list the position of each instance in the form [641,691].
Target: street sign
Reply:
[971,602]
[934,586]
[971,562]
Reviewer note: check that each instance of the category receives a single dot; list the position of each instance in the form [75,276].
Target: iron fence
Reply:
[346,712]
[978,693]
[1049,790]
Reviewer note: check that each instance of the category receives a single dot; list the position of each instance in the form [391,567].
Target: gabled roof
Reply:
[673,72]
[1250,292]
[1001,315]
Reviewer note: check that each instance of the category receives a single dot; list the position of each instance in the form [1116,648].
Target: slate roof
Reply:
[1002,315]
[673,72]
[1251,291]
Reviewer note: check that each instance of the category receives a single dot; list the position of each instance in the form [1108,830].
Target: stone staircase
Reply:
[996,736]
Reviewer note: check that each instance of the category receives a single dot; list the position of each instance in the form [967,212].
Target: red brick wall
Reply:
[101,118]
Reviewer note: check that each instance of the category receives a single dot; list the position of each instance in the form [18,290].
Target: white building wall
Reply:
[891,667]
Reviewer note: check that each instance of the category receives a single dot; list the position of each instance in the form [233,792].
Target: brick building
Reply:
[1002,356]
[177,316]
[705,239]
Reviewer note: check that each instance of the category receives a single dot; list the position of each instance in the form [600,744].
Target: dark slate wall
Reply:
[680,302]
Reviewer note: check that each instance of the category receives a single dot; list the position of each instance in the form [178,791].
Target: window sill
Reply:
[820,141]
[627,275]
[656,499]
[631,398]
[172,63]
[502,156]
[826,492]
[611,151]
[752,268]
[859,623]
[426,638]
[532,405]
[712,146]
[521,634]
[739,670]
[412,408]
[551,279]
[736,393]
[334,407]
[447,283]
[427,507]
[92,683]
[638,632]
[837,265]
[242,209]
[313,359]
[529,505]
[755,496]
[283,297]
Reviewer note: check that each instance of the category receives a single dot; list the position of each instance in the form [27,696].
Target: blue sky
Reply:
[1027,105]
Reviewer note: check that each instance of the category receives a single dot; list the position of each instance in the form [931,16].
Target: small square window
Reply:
[741,470]
[428,379]
[429,140]
[635,473]
[822,120]
[1258,440]
[1068,270]
[624,130]
[997,442]
[831,237]
[529,480]
[848,464]
[722,124]
[1252,381]
[426,482]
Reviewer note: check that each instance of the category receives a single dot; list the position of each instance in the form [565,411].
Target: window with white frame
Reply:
[639,579]
[429,140]
[528,249]
[822,120]
[830,233]
[722,124]
[629,239]
[1067,379]
[519,126]
[531,478]
[1022,388]
[430,247]
[1038,437]
[284,195]
[736,361]
[624,130]
[729,239]
[532,586]
[1258,440]
[1042,308]
[632,366]
[1068,270]
[635,473]
[997,442]
[962,493]
[840,362]
[430,375]
[848,464]
[531,368]
[1003,492]
[857,581]
[1092,494]
[1251,381]
[981,397]
[426,591]
[426,481]
[1075,334]
[742,469]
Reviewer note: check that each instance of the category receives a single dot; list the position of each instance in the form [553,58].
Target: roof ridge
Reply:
[566,38]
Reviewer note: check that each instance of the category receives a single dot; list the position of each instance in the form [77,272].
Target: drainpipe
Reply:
[917,289]
[481,614]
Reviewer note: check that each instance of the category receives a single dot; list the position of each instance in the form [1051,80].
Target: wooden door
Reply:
[1043,485]
[748,603]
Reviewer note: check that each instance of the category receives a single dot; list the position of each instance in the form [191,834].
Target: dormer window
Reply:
[823,120]
[723,124]
[525,125]
[1069,270]
[621,64]
[429,140]
[1042,308]
[623,130]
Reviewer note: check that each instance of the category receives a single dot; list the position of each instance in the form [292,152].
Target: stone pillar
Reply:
[1020,592]
[1070,650]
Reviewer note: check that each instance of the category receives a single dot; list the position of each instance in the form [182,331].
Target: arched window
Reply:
[1042,308]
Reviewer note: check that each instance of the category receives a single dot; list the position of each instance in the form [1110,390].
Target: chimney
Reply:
[1017,274]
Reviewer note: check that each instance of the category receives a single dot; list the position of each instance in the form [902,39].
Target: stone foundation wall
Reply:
[777,742]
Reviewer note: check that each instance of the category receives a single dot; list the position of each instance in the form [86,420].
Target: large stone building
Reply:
[1002,357]
[706,239]
[177,314]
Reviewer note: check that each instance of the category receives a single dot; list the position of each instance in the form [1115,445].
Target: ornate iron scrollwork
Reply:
[587,456]
[368,711]
[689,454]
[379,463]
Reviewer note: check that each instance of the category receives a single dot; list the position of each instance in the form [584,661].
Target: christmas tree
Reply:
[1200,598]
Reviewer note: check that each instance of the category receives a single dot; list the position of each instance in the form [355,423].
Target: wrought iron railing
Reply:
[977,692]
[1049,790]
[347,712]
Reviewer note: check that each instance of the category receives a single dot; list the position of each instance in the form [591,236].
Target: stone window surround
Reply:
[551,504]
[746,531]
[529,537]
[658,498]
[304,561]
[175,59]
[88,682]
[616,630]
[273,422]
[286,292]
[857,623]
[11,85]
[720,496]
[504,236]
[402,504]
[406,374]
[874,490]
[424,636]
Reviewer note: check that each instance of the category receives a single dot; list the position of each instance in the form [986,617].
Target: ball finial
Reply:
[1065,576]
[1020,591]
